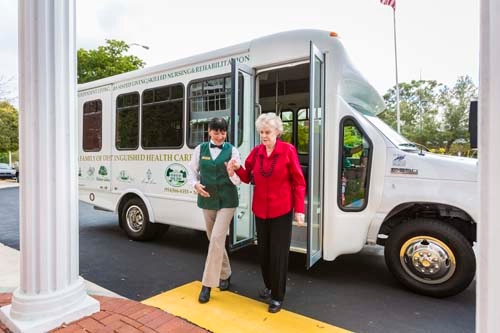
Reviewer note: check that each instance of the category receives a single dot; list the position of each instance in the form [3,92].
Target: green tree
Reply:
[433,114]
[9,137]
[455,110]
[418,104]
[106,61]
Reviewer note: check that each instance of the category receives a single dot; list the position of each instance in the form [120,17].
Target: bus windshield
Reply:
[397,139]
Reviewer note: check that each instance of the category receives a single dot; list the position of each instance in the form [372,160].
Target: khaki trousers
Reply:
[217,263]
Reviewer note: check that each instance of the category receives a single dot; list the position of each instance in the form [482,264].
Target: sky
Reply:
[436,39]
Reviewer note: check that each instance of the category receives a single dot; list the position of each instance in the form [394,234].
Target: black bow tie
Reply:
[216,146]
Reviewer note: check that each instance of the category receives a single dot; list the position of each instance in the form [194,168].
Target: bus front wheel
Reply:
[430,257]
[134,219]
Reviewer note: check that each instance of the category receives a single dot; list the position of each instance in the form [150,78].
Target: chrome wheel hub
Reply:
[427,259]
[135,218]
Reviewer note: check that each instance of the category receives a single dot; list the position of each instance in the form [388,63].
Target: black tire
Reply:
[430,257]
[134,219]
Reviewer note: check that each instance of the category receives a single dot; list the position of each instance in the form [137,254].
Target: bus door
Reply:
[242,231]
[314,212]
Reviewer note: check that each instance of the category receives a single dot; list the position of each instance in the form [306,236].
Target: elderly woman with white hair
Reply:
[278,199]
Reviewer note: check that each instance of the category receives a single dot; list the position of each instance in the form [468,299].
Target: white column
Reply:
[51,291]
[488,287]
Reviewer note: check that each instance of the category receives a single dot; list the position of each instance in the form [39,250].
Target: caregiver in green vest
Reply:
[218,198]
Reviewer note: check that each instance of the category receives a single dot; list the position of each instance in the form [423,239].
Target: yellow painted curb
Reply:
[227,312]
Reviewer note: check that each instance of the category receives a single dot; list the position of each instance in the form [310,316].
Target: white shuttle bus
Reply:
[366,184]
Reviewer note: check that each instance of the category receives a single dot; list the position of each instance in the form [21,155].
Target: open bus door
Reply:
[242,230]
[314,212]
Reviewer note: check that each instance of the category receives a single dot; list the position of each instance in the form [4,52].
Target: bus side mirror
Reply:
[473,124]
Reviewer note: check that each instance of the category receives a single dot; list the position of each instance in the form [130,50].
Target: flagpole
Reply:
[398,121]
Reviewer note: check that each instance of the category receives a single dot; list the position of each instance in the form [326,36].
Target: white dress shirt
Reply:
[194,164]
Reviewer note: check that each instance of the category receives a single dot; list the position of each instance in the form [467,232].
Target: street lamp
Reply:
[143,46]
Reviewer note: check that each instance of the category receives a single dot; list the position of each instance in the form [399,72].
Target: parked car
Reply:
[7,172]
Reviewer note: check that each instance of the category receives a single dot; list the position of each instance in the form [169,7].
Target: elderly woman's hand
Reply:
[235,164]
[299,218]
[231,166]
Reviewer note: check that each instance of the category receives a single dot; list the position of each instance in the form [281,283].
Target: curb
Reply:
[10,275]
[8,184]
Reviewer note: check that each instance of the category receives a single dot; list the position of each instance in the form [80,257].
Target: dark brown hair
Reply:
[217,124]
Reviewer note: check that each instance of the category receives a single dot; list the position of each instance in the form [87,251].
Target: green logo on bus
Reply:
[176,175]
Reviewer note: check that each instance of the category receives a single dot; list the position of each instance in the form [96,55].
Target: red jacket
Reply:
[279,182]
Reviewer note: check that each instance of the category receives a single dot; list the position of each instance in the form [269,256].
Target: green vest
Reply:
[213,174]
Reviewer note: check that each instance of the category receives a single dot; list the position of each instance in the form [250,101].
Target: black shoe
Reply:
[224,284]
[265,293]
[204,294]
[274,306]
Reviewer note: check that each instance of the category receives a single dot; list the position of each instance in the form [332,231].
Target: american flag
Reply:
[391,3]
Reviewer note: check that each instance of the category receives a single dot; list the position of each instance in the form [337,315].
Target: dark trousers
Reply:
[273,239]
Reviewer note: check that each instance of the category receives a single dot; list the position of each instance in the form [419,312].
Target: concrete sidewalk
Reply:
[117,314]
[7,183]
[9,274]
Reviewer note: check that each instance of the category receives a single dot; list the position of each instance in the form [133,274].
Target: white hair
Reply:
[269,119]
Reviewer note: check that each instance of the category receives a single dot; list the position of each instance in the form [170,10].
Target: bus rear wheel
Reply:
[134,219]
[430,257]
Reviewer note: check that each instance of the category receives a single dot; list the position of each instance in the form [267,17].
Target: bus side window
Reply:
[92,126]
[162,117]
[127,121]
[296,132]
[355,150]
[208,98]
[287,119]
[303,131]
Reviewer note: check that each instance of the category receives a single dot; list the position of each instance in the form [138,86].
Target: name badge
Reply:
[206,158]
